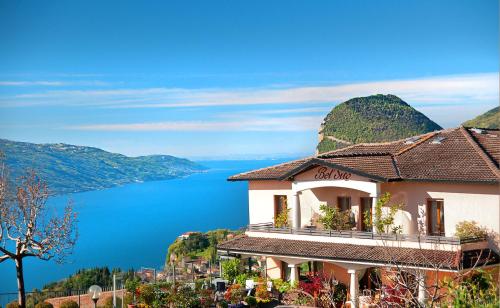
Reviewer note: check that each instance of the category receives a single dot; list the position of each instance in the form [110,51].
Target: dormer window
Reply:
[437,140]
[412,140]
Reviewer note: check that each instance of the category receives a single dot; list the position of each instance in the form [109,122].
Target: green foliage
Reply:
[281,220]
[468,229]
[282,286]
[146,294]
[198,245]
[489,119]
[231,269]
[334,219]
[69,168]
[84,278]
[69,304]
[13,304]
[132,284]
[128,299]
[368,220]
[384,222]
[374,118]
[478,290]
[108,302]
[327,145]
[44,305]
[251,301]
[340,293]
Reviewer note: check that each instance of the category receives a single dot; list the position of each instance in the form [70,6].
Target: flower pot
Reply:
[131,305]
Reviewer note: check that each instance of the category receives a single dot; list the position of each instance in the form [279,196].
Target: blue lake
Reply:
[132,225]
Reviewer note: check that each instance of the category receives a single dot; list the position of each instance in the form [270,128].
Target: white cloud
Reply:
[451,89]
[251,124]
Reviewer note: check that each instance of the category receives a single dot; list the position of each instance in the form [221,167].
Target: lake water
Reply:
[133,225]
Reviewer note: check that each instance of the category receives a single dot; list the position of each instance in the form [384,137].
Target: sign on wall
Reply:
[325,173]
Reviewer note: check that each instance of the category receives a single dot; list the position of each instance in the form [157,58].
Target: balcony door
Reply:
[365,208]
[344,203]
[280,205]
[435,217]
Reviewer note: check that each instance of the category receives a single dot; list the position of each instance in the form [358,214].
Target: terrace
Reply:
[269,230]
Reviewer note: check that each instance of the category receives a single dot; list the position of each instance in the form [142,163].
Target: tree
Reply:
[384,216]
[407,274]
[231,269]
[28,229]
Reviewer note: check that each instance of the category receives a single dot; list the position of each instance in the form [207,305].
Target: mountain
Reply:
[375,118]
[69,168]
[489,119]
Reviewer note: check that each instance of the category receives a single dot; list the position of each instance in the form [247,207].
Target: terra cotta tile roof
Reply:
[457,154]
[352,253]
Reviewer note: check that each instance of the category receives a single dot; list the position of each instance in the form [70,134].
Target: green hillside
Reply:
[489,119]
[69,168]
[375,118]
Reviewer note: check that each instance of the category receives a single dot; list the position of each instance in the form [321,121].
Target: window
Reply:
[280,205]
[365,207]
[435,217]
[344,203]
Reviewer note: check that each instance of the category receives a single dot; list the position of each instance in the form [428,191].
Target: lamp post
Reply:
[95,292]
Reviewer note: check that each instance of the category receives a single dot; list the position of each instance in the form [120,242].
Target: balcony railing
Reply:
[270,228]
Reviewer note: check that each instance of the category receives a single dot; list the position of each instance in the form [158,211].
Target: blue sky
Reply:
[234,78]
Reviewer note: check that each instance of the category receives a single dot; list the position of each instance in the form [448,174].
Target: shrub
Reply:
[334,219]
[108,302]
[231,269]
[128,299]
[44,305]
[222,304]
[132,284]
[261,291]
[69,304]
[281,286]
[234,293]
[281,220]
[251,301]
[340,293]
[242,278]
[477,290]
[146,294]
[13,304]
[467,229]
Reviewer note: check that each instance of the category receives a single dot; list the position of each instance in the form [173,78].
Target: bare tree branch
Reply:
[27,227]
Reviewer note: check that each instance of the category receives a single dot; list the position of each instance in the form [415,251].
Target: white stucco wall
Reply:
[261,199]
[478,202]
[311,199]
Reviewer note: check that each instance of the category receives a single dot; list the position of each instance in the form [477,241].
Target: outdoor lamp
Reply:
[95,292]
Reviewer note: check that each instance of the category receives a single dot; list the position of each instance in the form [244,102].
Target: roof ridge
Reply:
[479,149]
[419,142]
[273,166]
[384,142]
[395,164]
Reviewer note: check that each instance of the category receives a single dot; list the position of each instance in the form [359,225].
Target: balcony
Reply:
[268,230]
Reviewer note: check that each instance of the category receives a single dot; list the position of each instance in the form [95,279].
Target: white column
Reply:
[375,198]
[354,287]
[295,206]
[294,273]
[422,294]
[374,206]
